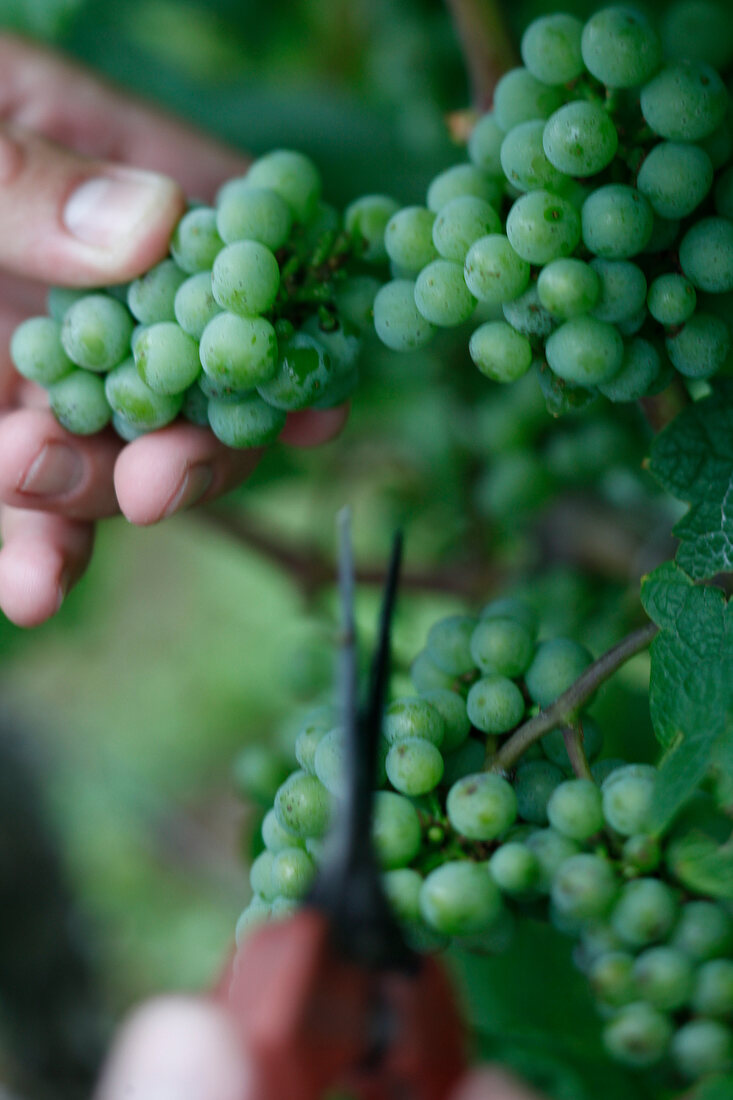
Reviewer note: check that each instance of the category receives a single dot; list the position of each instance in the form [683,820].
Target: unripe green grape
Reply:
[303,805]
[460,898]
[452,709]
[620,47]
[167,359]
[494,940]
[462,179]
[275,837]
[196,243]
[663,977]
[645,912]
[542,227]
[499,352]
[282,907]
[509,607]
[554,748]
[534,784]
[568,287]
[194,304]
[245,278]
[291,872]
[701,347]
[552,851]
[465,760]
[96,332]
[575,809]
[706,255]
[617,222]
[37,352]
[627,798]
[481,806]
[247,213]
[675,177]
[316,724]
[638,1035]
[484,145]
[402,888]
[704,930]
[303,375]
[246,421]
[395,830]
[60,298]
[293,176]
[712,994]
[671,299]
[129,397]
[585,351]
[397,320]
[584,887]
[699,30]
[408,238]
[449,644]
[366,219]
[427,676]
[257,773]
[580,139]
[551,48]
[414,766]
[502,646]
[528,316]
[495,704]
[642,852]
[686,101]
[79,403]
[329,761]
[493,271]
[556,665]
[413,717]
[354,298]
[612,980]
[520,97]
[460,223]
[239,352]
[127,431]
[151,297]
[260,875]
[524,161]
[623,290]
[441,294]
[702,1047]
[514,868]
[251,917]
[595,940]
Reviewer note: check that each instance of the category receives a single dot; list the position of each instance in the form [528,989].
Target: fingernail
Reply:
[62,589]
[106,210]
[192,487]
[55,470]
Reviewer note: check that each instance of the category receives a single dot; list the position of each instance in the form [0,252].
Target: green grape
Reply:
[397,320]
[291,872]
[704,930]
[129,433]
[520,97]
[514,868]
[460,223]
[702,1047]
[258,772]
[594,941]
[495,704]
[319,722]
[724,195]
[462,179]
[247,213]
[575,809]
[524,162]
[246,421]
[255,914]
[663,977]
[245,278]
[675,178]
[640,369]
[494,272]
[303,805]
[96,332]
[260,876]
[701,347]
[413,717]
[585,351]
[580,139]
[293,176]
[623,290]
[460,898]
[699,30]
[452,709]
[427,676]
[366,220]
[37,352]
[449,644]
[568,288]
[617,222]
[552,851]
[584,887]
[484,145]
[395,830]
[534,784]
[620,48]
[642,852]
[551,48]
[637,1035]
[60,298]
[194,304]
[196,243]
[509,607]
[151,297]
[542,227]
[528,317]
[303,375]
[556,665]
[275,837]
[671,299]
[281,908]
[238,352]
[706,255]
[645,912]
[329,761]
[499,352]
[167,359]
[495,940]
[612,980]
[712,994]
[79,404]
[343,349]
[553,744]
[603,768]
[129,397]
[465,760]
[408,238]
[627,798]
[481,806]
[354,298]
[686,101]
[414,766]
[504,646]
[402,888]
[441,294]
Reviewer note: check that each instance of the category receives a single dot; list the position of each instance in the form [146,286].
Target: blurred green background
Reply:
[186,642]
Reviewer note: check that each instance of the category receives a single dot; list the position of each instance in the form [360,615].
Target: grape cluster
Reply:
[251,316]
[592,230]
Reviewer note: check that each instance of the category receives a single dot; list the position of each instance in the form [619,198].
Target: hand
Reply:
[187,1048]
[72,211]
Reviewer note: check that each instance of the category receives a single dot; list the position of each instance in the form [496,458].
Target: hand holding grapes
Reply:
[71,210]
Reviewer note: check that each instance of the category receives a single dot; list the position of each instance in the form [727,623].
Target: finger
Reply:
[312,428]
[44,468]
[177,1047]
[81,222]
[492,1084]
[70,105]
[42,557]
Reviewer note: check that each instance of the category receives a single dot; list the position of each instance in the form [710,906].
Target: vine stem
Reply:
[573,738]
[487,48]
[564,708]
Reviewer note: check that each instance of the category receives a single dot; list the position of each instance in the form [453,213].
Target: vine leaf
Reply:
[691,686]
[693,459]
[703,865]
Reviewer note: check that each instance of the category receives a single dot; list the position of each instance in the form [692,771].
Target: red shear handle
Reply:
[306,1019]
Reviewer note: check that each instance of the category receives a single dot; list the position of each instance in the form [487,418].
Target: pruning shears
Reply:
[332,997]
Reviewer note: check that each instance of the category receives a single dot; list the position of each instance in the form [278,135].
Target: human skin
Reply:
[92,182]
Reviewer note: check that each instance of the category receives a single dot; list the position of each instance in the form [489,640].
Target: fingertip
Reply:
[313,427]
[32,583]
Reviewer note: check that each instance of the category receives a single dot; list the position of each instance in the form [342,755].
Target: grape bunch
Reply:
[591,232]
[251,316]
[467,851]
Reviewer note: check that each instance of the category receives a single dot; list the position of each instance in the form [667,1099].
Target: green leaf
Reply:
[691,685]
[703,865]
[715,1088]
[693,459]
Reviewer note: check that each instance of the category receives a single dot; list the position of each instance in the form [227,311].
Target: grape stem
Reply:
[573,738]
[487,48]
[566,706]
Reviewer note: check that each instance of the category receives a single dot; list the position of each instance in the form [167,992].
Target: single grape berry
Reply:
[481,806]
[460,898]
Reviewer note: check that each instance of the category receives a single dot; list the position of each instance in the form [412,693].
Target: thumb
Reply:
[80,222]
[489,1083]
